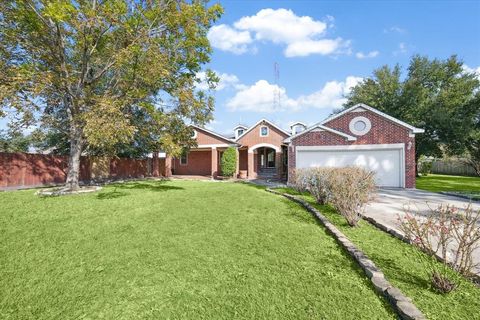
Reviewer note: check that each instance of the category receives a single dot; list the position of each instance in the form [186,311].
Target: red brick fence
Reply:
[22,170]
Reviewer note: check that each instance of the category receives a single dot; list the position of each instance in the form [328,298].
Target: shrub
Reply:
[300,179]
[351,188]
[448,234]
[425,165]
[319,184]
[229,162]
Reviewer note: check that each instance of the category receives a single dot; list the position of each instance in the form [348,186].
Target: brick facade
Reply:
[383,131]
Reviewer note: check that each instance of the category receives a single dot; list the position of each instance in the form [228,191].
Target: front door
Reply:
[270,158]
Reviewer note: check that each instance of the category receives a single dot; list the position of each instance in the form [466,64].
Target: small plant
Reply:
[425,165]
[229,162]
[449,234]
[350,191]
[301,180]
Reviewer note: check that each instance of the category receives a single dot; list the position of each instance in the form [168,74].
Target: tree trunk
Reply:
[74,158]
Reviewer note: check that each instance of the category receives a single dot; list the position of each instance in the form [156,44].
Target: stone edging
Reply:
[402,304]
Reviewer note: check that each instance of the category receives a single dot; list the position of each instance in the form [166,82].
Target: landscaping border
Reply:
[401,304]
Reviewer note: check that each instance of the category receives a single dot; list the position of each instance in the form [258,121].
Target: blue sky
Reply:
[324,48]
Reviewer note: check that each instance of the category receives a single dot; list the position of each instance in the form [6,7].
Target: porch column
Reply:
[214,169]
[279,164]
[168,166]
[251,166]
[237,169]
[155,165]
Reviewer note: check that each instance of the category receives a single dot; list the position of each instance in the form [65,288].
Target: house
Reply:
[360,135]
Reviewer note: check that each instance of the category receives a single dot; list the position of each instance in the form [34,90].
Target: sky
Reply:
[322,49]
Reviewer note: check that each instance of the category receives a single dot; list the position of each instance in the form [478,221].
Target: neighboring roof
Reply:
[364,106]
[298,122]
[239,126]
[259,122]
[360,105]
[214,134]
[321,127]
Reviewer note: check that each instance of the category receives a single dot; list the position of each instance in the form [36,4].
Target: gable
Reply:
[252,136]
[206,137]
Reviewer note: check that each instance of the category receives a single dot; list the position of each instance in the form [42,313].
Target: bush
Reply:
[229,162]
[425,165]
[351,189]
[445,231]
[348,190]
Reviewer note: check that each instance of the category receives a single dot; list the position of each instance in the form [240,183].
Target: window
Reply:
[360,126]
[184,159]
[263,131]
[298,129]
[240,132]
[194,134]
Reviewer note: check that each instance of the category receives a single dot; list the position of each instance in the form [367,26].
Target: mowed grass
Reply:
[437,183]
[405,269]
[174,250]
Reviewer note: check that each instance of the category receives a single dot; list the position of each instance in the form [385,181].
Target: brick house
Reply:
[360,135]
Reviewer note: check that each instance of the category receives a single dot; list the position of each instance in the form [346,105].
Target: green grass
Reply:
[404,268]
[176,250]
[437,183]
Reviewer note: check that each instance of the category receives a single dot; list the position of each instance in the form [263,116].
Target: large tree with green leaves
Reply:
[437,95]
[87,68]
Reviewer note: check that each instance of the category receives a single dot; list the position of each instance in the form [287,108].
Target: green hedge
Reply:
[229,162]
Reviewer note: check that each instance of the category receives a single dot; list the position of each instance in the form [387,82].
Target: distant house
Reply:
[360,136]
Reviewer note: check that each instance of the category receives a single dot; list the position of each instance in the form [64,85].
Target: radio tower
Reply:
[276,90]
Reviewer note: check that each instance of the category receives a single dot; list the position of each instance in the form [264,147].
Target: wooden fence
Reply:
[22,170]
[452,167]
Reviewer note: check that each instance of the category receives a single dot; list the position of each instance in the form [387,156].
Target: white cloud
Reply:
[395,29]
[227,80]
[281,26]
[332,95]
[472,70]
[323,47]
[402,49]
[371,54]
[226,38]
[259,97]
[302,35]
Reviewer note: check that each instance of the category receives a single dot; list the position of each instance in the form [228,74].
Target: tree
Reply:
[85,68]
[229,162]
[472,156]
[436,95]
[14,141]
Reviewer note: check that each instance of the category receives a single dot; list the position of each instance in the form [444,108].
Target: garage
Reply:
[385,160]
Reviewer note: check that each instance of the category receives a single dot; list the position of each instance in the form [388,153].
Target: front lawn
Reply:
[177,250]
[438,182]
[403,267]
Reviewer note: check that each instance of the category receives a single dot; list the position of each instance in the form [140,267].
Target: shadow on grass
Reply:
[118,191]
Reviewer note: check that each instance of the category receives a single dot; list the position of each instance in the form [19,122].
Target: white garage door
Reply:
[386,163]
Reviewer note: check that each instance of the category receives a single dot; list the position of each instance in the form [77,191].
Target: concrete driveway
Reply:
[390,204]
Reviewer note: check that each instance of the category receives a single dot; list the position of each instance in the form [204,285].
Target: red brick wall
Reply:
[253,137]
[198,163]
[383,131]
[204,137]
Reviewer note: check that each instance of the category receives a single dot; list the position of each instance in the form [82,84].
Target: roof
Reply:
[360,105]
[259,122]
[240,126]
[364,106]
[298,122]
[214,134]
[322,127]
